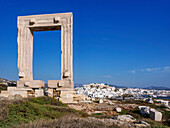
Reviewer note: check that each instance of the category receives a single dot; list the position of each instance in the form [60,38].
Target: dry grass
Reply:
[4,109]
[69,121]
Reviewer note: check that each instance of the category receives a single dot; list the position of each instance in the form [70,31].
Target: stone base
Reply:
[25,92]
[39,92]
[4,94]
[50,92]
[61,89]
[31,84]
[66,96]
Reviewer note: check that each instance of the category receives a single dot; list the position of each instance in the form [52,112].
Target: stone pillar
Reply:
[25,53]
[66,48]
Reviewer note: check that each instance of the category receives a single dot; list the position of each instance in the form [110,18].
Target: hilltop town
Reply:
[101,90]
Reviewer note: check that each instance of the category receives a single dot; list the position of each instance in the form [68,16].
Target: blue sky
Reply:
[122,42]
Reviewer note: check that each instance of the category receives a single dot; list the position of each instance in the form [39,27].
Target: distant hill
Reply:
[116,86]
[3,80]
[157,88]
[78,85]
[149,88]
[7,82]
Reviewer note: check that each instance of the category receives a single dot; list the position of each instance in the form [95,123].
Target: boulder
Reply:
[166,104]
[155,115]
[100,101]
[139,107]
[111,102]
[149,100]
[145,110]
[118,109]
[93,98]
[125,118]
[142,124]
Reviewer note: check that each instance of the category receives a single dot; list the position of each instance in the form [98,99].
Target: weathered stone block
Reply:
[50,92]
[31,84]
[68,84]
[39,92]
[23,93]
[66,96]
[63,93]
[54,83]
[10,89]
[5,93]
[155,115]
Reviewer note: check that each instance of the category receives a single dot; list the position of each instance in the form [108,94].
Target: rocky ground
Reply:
[128,117]
[124,114]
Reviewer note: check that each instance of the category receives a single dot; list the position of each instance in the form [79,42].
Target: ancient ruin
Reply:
[27,25]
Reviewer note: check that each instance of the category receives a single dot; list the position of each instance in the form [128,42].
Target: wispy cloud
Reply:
[107,76]
[166,68]
[132,71]
[150,69]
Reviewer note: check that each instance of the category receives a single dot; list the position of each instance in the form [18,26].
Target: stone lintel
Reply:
[61,84]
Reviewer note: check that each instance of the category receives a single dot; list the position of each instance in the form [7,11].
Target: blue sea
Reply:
[163,97]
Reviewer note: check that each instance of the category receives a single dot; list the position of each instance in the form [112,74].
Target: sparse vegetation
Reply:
[46,112]
[136,113]
[29,110]
[3,87]
[70,121]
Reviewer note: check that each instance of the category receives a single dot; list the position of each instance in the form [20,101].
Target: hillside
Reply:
[43,112]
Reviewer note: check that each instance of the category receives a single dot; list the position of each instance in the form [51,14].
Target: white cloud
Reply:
[152,69]
[108,76]
[166,68]
[133,71]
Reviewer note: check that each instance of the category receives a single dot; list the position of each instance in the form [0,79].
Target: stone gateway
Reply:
[63,89]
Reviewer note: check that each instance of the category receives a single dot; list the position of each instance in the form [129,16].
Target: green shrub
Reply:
[47,100]
[34,108]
